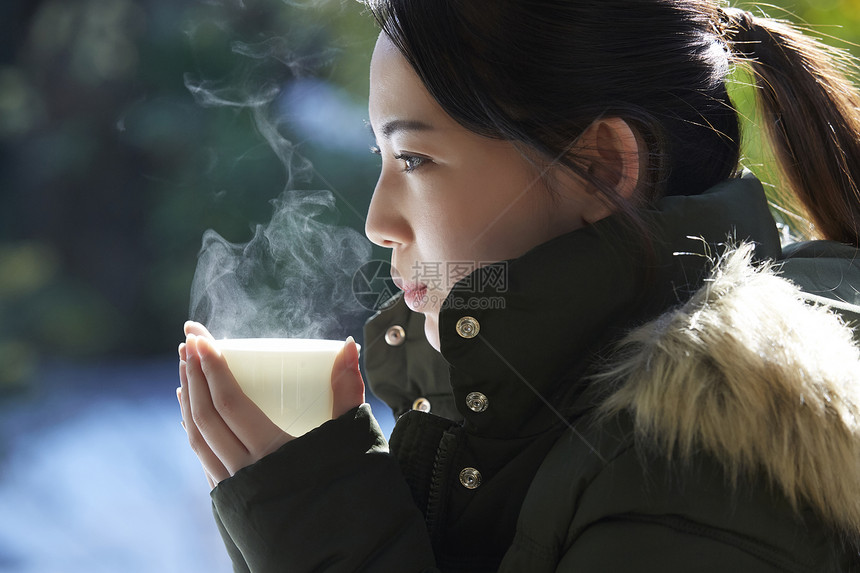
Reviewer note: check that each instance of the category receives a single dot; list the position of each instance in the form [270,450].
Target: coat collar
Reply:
[541,318]
[750,373]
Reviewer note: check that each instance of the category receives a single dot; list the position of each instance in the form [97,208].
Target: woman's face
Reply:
[448,200]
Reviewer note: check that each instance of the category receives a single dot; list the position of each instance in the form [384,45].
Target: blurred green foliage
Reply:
[110,171]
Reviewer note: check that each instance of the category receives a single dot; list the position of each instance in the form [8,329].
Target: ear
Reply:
[611,149]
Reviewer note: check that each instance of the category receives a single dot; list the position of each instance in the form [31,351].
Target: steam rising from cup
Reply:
[294,277]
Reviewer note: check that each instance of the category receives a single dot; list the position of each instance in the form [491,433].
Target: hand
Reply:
[225,428]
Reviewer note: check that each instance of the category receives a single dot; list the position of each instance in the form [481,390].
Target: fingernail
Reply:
[179,394]
[352,353]
[207,346]
[191,351]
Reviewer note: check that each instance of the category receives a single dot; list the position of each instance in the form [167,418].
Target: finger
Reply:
[197,329]
[212,466]
[212,427]
[212,483]
[347,385]
[182,352]
[210,462]
[245,419]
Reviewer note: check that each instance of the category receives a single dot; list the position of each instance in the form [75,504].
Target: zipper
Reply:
[437,499]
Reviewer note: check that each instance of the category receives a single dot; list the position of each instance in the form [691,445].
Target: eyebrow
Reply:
[395,125]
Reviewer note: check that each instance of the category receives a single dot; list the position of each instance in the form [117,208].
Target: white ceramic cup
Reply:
[288,378]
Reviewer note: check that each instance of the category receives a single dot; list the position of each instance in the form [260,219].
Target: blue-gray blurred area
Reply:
[97,475]
[96,480]
[113,165]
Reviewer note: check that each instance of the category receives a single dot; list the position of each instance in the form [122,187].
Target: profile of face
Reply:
[449,200]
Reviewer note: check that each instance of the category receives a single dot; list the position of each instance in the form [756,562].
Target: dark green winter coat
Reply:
[620,406]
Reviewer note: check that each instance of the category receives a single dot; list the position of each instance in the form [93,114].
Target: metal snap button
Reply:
[468,327]
[470,478]
[477,402]
[395,336]
[421,404]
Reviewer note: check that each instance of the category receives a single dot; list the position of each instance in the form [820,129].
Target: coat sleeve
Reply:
[333,500]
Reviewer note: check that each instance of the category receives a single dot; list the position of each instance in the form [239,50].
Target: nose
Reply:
[387,222]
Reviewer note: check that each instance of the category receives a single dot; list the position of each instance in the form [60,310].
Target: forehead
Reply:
[396,91]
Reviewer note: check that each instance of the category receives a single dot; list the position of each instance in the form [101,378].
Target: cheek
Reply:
[482,215]
[506,223]
[447,225]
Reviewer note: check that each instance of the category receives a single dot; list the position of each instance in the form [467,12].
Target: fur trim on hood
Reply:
[750,372]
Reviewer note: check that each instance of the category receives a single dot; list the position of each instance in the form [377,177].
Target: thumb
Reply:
[346,383]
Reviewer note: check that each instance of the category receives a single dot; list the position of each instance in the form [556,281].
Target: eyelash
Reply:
[411,162]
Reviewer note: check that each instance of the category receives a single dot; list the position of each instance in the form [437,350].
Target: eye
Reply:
[410,162]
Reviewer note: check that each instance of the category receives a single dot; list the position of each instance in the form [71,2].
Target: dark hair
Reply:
[539,72]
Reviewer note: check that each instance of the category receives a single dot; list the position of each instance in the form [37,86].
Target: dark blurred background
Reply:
[110,172]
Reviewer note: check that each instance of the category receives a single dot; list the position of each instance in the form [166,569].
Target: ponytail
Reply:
[813,114]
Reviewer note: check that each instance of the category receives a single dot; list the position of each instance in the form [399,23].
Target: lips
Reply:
[415,294]
[416,298]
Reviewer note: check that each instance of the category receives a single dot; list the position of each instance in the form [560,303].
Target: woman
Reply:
[557,180]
